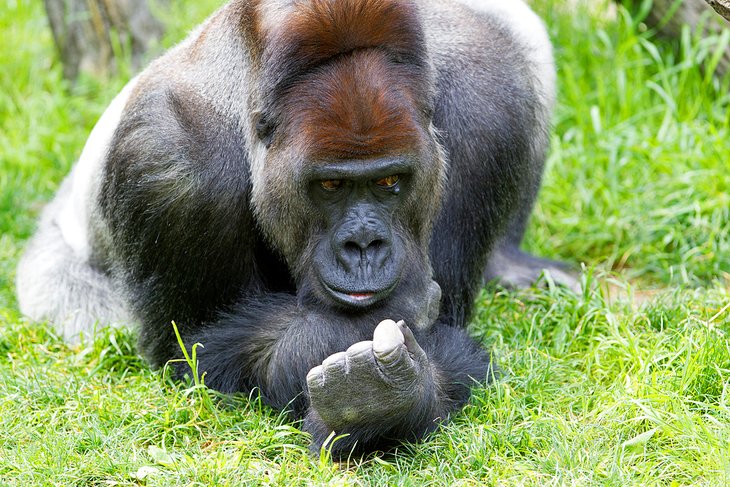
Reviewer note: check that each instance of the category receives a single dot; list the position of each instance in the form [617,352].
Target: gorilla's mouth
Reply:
[358,299]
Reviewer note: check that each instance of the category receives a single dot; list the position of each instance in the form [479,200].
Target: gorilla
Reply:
[314,191]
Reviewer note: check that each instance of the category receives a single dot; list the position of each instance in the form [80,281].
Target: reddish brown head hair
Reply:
[346,78]
[362,106]
[317,30]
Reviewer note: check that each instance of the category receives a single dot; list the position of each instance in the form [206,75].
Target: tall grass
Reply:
[638,177]
[599,389]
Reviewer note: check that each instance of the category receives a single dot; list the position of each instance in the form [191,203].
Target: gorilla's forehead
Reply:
[361,106]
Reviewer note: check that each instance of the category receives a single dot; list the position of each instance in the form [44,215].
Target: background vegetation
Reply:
[626,384]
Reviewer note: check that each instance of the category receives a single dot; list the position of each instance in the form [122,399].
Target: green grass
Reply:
[627,384]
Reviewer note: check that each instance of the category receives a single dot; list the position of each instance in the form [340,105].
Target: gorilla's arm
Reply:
[377,386]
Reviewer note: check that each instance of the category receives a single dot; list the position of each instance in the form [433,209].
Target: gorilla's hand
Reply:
[373,383]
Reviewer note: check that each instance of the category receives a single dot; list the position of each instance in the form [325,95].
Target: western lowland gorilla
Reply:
[314,190]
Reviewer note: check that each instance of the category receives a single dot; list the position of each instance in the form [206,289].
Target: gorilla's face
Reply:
[361,249]
[352,178]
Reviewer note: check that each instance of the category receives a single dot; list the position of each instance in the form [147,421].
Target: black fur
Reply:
[240,354]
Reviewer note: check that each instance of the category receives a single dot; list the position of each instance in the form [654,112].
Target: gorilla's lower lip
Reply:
[359,299]
[361,295]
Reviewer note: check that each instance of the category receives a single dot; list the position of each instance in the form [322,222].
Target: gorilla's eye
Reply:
[331,184]
[265,130]
[388,181]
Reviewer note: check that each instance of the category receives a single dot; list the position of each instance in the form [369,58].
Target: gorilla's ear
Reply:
[265,129]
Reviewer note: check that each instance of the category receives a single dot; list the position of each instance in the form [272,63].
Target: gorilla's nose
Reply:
[363,245]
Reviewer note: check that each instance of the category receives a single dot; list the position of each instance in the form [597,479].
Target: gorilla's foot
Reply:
[373,382]
[513,268]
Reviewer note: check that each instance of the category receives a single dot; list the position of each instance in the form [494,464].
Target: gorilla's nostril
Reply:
[352,248]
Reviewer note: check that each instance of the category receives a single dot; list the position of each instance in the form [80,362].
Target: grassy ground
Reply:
[627,384]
